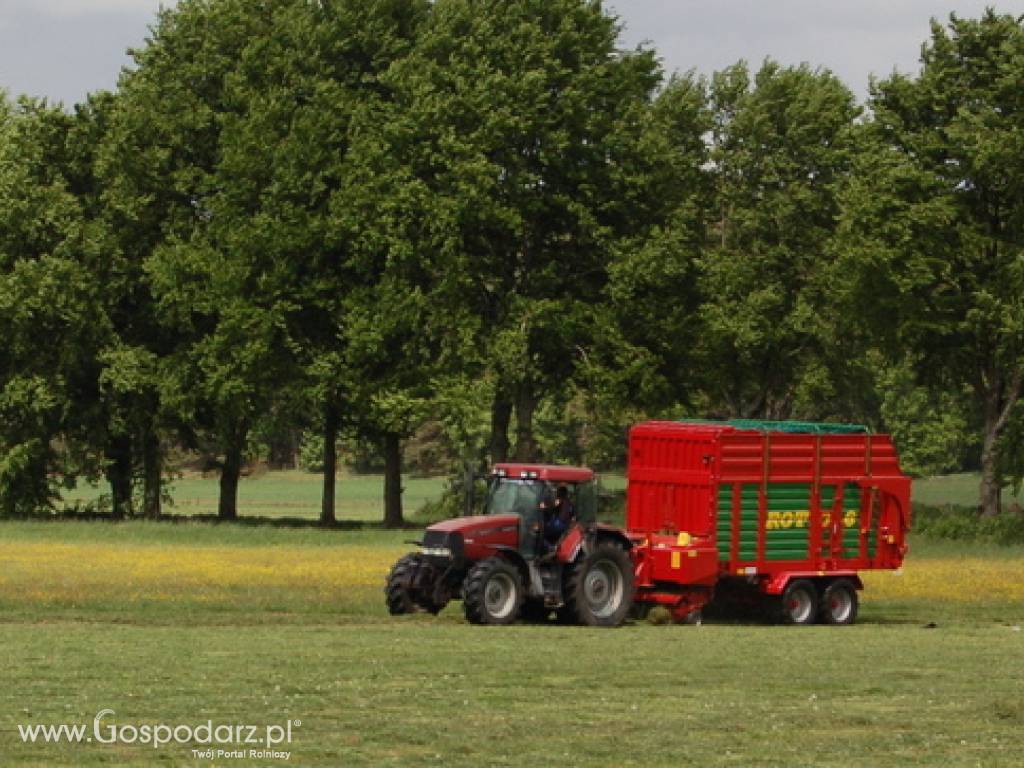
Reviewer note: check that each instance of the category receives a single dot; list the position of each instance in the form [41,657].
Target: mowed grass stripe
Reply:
[409,693]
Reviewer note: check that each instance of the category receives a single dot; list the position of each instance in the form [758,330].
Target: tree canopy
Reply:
[490,227]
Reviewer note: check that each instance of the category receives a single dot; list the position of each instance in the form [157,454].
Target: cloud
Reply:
[854,40]
[11,10]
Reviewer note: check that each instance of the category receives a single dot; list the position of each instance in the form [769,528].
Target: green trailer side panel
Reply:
[749,503]
[787,536]
[788,523]
[724,520]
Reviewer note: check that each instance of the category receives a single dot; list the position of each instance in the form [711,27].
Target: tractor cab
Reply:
[523,489]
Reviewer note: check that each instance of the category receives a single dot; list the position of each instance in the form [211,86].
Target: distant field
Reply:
[960,489]
[189,622]
[287,494]
[297,494]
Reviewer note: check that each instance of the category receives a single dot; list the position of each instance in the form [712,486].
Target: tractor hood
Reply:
[480,534]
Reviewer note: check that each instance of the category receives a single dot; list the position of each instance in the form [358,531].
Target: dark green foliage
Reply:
[782,141]
[964,524]
[51,313]
[524,125]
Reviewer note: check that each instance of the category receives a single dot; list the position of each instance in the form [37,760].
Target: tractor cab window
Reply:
[512,496]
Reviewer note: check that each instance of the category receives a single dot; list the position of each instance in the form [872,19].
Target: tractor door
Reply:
[516,496]
[585,501]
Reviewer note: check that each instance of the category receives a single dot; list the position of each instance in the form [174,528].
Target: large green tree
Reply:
[643,358]
[934,222]
[526,119]
[51,313]
[782,141]
[190,177]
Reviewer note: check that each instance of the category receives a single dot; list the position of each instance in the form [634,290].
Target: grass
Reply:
[184,623]
[960,490]
[285,494]
[297,494]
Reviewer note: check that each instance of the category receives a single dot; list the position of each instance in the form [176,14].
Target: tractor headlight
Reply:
[436,551]
[445,545]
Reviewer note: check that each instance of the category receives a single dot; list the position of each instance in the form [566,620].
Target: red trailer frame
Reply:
[762,503]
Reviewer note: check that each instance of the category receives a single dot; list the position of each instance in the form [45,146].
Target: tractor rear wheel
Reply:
[402,594]
[599,587]
[800,602]
[839,603]
[493,592]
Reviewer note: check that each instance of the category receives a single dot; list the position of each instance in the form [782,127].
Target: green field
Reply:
[960,489]
[285,494]
[297,494]
[180,623]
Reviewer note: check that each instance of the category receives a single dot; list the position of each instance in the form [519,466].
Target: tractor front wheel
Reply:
[399,589]
[599,587]
[403,596]
[493,592]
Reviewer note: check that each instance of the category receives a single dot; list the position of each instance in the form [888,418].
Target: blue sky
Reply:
[63,49]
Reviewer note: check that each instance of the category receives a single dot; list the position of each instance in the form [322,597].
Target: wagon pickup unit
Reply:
[776,515]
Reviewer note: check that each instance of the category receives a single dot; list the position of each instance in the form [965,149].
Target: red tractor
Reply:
[505,564]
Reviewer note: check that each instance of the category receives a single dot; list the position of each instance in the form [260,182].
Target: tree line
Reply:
[354,218]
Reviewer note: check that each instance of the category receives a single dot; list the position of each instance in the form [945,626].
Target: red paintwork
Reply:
[548,472]
[570,544]
[482,533]
[777,584]
[676,468]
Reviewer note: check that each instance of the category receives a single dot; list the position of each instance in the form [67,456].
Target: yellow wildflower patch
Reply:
[85,572]
[959,579]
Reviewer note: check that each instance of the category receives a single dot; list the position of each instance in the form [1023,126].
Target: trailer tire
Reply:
[800,602]
[493,592]
[401,595]
[839,603]
[599,587]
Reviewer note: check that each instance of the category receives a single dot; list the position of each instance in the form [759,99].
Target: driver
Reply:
[558,515]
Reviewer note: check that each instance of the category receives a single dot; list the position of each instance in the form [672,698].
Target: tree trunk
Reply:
[152,470]
[231,470]
[327,512]
[501,417]
[999,400]
[526,404]
[991,487]
[119,474]
[392,481]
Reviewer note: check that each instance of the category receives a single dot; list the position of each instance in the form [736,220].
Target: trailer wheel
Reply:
[400,593]
[839,603]
[493,592]
[599,587]
[800,602]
